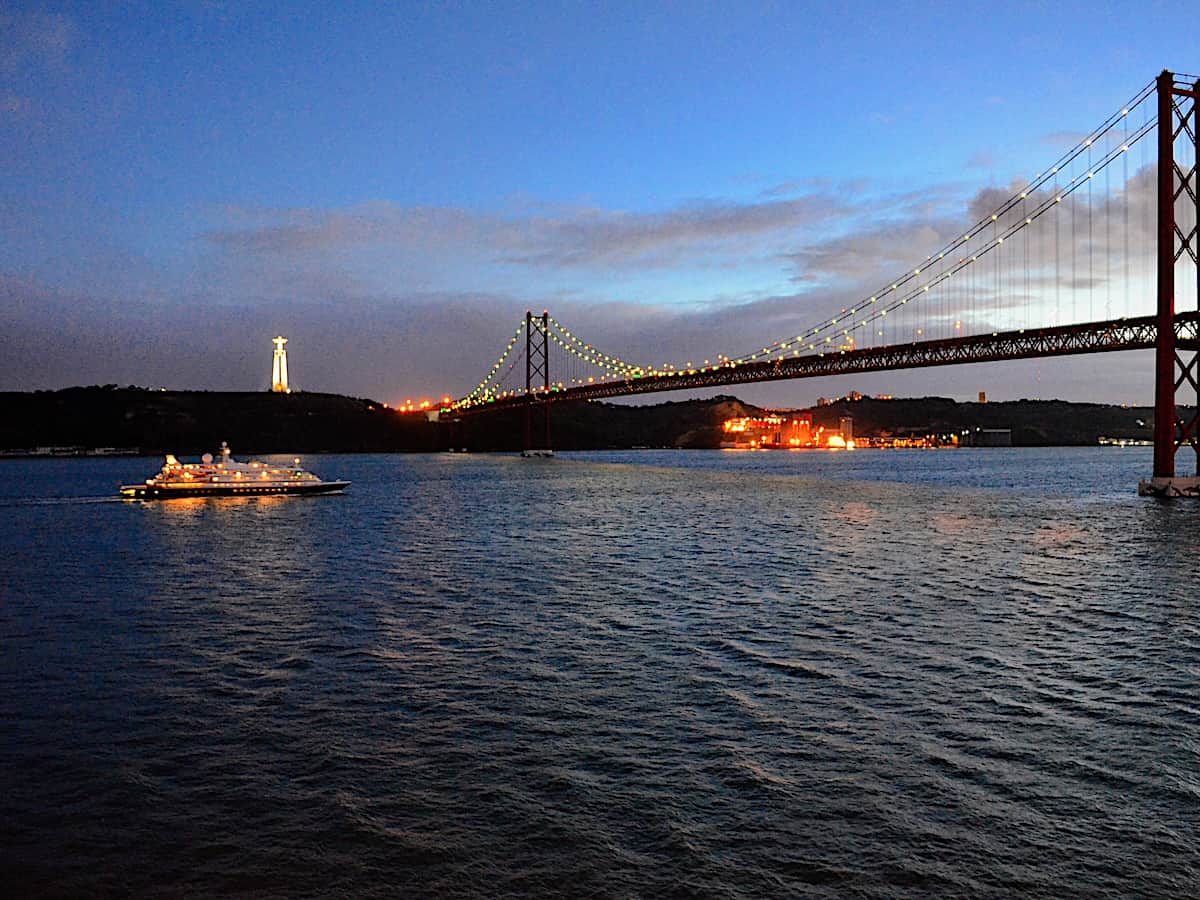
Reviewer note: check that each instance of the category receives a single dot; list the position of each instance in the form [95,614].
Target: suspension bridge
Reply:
[1098,252]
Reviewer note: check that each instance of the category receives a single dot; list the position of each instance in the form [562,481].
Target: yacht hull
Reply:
[154,492]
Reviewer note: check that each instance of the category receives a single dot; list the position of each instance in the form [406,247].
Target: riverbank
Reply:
[107,420]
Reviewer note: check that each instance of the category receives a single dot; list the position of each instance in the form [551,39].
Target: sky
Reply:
[392,185]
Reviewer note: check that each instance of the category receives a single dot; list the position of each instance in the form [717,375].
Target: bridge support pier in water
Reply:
[1176,358]
[537,381]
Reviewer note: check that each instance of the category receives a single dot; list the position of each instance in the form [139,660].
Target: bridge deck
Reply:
[1064,340]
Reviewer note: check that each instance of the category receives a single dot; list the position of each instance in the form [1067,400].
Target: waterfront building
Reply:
[766,432]
[988,437]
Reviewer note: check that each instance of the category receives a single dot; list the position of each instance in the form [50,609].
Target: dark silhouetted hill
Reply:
[197,421]
[1034,423]
[189,422]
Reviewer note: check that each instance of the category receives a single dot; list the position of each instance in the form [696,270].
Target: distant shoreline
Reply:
[102,422]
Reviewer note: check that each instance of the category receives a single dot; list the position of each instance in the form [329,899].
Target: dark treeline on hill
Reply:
[1034,423]
[697,423]
[191,422]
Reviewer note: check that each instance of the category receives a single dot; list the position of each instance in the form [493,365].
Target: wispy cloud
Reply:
[34,39]
[873,252]
[984,159]
[596,237]
[1062,140]
[836,187]
[565,237]
[31,45]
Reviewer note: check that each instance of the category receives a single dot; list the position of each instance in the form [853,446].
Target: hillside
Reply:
[1034,423]
[196,421]
[189,422]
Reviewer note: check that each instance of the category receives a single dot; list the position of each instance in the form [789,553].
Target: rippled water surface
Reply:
[879,674]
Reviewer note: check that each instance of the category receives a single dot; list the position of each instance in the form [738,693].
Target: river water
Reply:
[882,673]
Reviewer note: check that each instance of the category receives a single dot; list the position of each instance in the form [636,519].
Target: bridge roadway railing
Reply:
[1063,340]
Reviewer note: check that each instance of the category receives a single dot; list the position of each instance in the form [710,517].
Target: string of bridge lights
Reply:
[481,392]
[612,366]
[875,307]
[575,345]
[1040,179]
[488,389]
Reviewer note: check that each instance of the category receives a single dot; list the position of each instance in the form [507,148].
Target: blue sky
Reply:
[392,184]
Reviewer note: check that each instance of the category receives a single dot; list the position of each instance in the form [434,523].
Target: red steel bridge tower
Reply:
[537,383]
[1176,355]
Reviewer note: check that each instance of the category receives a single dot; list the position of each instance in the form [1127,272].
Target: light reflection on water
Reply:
[896,673]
